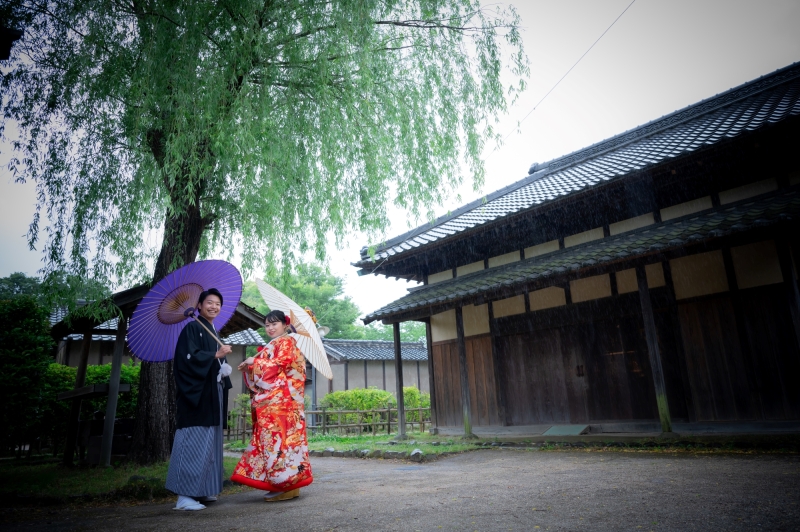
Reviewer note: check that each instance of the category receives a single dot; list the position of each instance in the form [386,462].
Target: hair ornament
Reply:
[287,319]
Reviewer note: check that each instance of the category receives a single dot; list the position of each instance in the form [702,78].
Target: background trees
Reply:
[311,285]
[159,131]
[25,346]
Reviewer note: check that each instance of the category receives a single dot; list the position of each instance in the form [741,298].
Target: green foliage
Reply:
[25,347]
[240,409]
[126,404]
[358,399]
[410,331]
[373,398]
[277,126]
[315,287]
[413,398]
[18,284]
[52,424]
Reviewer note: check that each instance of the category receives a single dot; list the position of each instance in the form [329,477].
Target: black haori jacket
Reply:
[195,370]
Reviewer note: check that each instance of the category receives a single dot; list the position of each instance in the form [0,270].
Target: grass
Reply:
[423,441]
[53,481]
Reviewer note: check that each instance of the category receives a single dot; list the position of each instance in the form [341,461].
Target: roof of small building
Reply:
[373,349]
[768,99]
[764,211]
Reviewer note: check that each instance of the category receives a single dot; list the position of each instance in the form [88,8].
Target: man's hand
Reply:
[223,351]
[247,362]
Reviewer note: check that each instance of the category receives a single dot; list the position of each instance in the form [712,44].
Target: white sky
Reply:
[662,55]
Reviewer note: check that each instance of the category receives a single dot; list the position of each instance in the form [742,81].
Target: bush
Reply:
[53,426]
[358,399]
[413,398]
[373,398]
[25,347]
[60,378]
[126,404]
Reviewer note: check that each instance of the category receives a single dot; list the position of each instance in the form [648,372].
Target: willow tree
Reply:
[160,131]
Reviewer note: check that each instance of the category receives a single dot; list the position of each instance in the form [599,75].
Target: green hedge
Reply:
[25,351]
[373,398]
[60,378]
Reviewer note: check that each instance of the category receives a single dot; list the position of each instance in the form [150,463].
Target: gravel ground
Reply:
[490,490]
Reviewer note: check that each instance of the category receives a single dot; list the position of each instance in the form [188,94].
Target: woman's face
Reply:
[275,328]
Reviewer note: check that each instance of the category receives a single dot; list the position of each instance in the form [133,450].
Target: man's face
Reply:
[210,307]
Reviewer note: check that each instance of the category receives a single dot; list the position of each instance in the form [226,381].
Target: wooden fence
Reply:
[321,420]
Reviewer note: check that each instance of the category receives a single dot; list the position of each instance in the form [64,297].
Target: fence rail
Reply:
[321,420]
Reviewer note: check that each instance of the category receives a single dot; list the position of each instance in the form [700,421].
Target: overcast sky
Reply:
[662,55]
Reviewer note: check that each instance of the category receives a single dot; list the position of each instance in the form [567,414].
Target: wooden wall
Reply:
[483,392]
[575,374]
[729,356]
[741,357]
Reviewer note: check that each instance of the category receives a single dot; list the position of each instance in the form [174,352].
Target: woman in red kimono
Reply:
[277,458]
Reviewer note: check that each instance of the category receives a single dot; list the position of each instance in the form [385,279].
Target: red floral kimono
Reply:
[277,458]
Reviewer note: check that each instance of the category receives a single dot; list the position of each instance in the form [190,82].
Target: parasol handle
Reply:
[214,336]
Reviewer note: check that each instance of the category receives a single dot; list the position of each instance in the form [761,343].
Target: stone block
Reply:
[417,455]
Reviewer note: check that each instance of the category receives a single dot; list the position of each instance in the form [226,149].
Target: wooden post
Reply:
[398,367]
[324,421]
[389,418]
[75,411]
[499,372]
[466,399]
[790,282]
[346,375]
[314,420]
[113,393]
[431,379]
[652,349]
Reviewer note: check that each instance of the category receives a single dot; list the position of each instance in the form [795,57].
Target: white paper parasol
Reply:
[305,331]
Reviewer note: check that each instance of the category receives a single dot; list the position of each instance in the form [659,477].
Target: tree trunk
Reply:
[155,411]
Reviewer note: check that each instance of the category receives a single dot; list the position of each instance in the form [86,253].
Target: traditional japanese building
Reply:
[649,278]
[368,363]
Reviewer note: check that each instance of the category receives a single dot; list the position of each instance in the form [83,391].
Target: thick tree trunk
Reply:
[155,411]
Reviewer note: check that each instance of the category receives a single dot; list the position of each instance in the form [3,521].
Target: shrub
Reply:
[53,421]
[25,347]
[126,404]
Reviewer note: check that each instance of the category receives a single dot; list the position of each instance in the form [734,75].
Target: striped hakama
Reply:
[196,468]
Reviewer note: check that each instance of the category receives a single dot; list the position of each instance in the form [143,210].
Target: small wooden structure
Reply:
[86,330]
[649,279]
[367,363]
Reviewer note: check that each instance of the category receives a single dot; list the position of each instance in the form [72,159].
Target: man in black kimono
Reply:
[201,380]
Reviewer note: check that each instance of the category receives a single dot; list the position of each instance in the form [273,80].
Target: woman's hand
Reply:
[223,351]
[247,362]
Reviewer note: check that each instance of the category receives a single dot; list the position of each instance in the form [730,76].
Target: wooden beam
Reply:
[652,349]
[499,374]
[674,322]
[790,282]
[431,376]
[466,399]
[561,279]
[113,393]
[398,376]
[346,375]
[75,411]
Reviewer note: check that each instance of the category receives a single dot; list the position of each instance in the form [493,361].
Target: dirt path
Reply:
[491,490]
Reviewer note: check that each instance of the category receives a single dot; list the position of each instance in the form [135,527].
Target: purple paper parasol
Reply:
[162,314]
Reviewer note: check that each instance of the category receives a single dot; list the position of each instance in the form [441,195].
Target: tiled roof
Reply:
[374,349]
[768,99]
[759,212]
[245,337]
